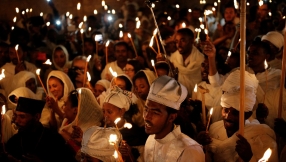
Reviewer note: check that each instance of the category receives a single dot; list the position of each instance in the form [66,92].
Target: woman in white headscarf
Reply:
[60,58]
[82,110]
[59,86]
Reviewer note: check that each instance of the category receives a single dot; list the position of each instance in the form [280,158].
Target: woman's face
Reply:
[111,112]
[70,112]
[98,89]
[56,87]
[120,83]
[60,58]
[129,71]
[142,88]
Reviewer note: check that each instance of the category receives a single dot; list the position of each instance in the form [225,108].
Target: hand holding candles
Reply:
[38,74]
[129,36]
[112,140]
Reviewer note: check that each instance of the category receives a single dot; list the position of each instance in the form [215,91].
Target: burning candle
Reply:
[211,112]
[103,3]
[195,94]
[151,44]
[113,11]
[202,91]
[16,48]
[48,62]
[207,34]
[81,31]
[85,69]
[266,155]
[129,36]
[120,34]
[41,14]
[138,23]
[38,74]
[15,19]
[17,10]
[153,64]
[95,12]
[78,6]
[70,17]
[157,42]
[266,75]
[116,122]
[106,51]
[127,125]
[183,25]
[78,107]
[3,111]
[84,18]
[228,55]
[112,140]
[2,75]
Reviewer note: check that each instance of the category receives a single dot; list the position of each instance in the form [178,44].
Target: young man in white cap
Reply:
[166,142]
[225,144]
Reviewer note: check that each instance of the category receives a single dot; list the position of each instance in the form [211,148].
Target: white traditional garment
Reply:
[7,128]
[20,92]
[103,82]
[89,113]
[68,87]
[114,67]
[275,64]
[259,136]
[67,63]
[268,80]
[212,98]
[190,74]
[175,146]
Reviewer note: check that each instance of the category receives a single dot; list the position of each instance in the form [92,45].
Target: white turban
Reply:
[120,98]
[103,82]
[95,143]
[275,38]
[231,91]
[167,91]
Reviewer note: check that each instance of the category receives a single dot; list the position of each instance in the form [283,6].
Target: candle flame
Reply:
[183,25]
[79,91]
[269,13]
[265,64]
[84,18]
[41,14]
[15,19]
[88,58]
[70,17]
[151,41]
[2,75]
[67,14]
[206,31]
[38,71]
[152,62]
[112,139]
[95,12]
[117,120]
[3,111]
[169,18]
[215,4]
[127,125]
[190,10]
[137,19]
[12,27]
[129,35]
[115,154]
[48,62]
[27,10]
[78,6]
[31,9]
[88,76]
[16,47]
[208,12]
[202,26]
[105,7]
[266,155]
[247,3]
[211,111]
[196,88]
[155,31]
[260,2]
[201,19]
[23,12]
[213,9]
[107,43]
[89,28]
[48,24]
[229,54]
[177,6]
[120,25]
[113,11]
[120,34]
[153,5]
[81,31]
[114,74]
[17,10]
[283,17]
[235,4]
[138,23]
[98,37]
[103,3]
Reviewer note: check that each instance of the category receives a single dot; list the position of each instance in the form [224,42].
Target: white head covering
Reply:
[21,92]
[20,79]
[275,38]
[68,85]
[150,75]
[120,98]
[231,88]
[103,82]
[66,54]
[124,75]
[95,143]
[167,91]
[89,113]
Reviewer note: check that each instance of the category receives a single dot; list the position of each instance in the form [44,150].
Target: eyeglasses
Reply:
[127,70]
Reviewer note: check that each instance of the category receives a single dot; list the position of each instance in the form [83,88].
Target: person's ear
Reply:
[172,117]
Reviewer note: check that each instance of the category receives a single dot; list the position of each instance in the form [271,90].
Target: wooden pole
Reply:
[242,65]
[282,80]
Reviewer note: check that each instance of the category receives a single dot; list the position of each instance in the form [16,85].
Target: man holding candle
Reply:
[166,142]
[223,140]
[187,59]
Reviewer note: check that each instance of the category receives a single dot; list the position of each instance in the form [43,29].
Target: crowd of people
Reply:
[102,90]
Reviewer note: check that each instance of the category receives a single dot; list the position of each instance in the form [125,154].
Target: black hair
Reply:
[73,97]
[127,81]
[260,44]
[171,110]
[136,64]
[121,43]
[62,83]
[230,5]
[140,74]
[162,65]
[186,31]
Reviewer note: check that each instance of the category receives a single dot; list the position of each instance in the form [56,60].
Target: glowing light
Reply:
[228,54]
[48,62]
[108,11]
[260,2]
[12,28]
[15,19]
[80,25]
[151,42]
[153,62]
[81,31]
[153,5]
[201,19]
[190,10]
[112,139]
[247,3]
[27,10]
[120,34]
[70,17]
[109,18]
[169,18]
[89,29]
[120,25]
[215,4]
[3,111]
[127,125]
[202,26]
[115,154]
[67,14]
[48,24]
[196,88]
[117,120]
[23,12]
[265,64]
[41,14]
[2,75]
[107,43]
[235,4]
[113,11]
[98,37]
[206,31]
[114,74]
[17,10]
[213,9]
[155,31]
[208,12]
[211,111]
[137,19]
[16,47]
[31,9]
[38,71]
[84,18]
[138,23]
[78,6]
[88,58]
[266,155]
[88,76]
[95,12]
[102,3]
[105,7]
[177,6]
[183,25]
[270,14]
[58,22]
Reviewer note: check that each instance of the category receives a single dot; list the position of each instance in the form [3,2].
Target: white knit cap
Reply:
[275,38]
[231,89]
[103,82]
[95,143]
[120,98]
[167,91]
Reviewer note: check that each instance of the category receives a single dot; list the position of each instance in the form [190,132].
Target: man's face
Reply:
[229,14]
[13,55]
[23,120]
[262,11]
[230,119]
[205,70]
[184,44]
[156,119]
[256,56]
[121,53]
